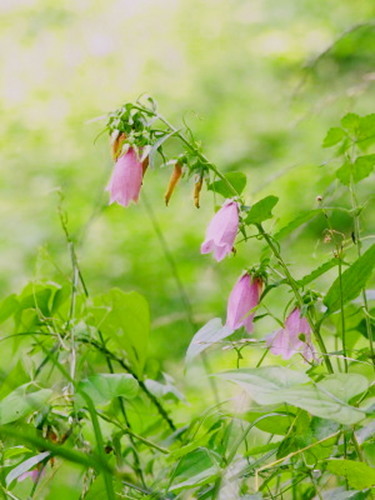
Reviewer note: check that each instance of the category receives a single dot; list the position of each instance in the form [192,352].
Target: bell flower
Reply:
[243,298]
[294,338]
[126,181]
[222,231]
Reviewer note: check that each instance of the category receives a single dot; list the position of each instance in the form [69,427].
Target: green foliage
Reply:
[97,396]
[353,281]
[262,210]
[124,318]
[233,180]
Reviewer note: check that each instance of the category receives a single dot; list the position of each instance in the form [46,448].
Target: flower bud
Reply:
[197,190]
[117,141]
[175,177]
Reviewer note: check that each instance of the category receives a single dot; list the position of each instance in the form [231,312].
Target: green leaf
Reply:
[7,307]
[265,384]
[333,137]
[125,319]
[358,474]
[351,122]
[103,387]
[319,271]
[209,334]
[276,385]
[302,218]
[366,130]
[353,281]
[262,210]
[21,403]
[196,469]
[25,466]
[236,179]
[361,168]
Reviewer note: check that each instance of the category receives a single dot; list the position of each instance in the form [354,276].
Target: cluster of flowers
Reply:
[124,187]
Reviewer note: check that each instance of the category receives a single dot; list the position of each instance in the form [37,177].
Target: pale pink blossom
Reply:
[242,300]
[221,231]
[126,181]
[294,338]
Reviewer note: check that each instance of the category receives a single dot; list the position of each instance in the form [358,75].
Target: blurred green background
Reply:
[251,79]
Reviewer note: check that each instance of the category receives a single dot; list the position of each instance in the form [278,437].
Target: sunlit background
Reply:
[259,82]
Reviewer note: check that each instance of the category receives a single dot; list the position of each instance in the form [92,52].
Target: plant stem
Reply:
[294,286]
[342,314]
[358,243]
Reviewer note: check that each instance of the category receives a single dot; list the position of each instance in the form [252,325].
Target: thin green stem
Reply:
[342,314]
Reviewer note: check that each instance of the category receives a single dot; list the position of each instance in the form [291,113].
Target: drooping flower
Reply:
[243,298]
[294,338]
[126,181]
[221,231]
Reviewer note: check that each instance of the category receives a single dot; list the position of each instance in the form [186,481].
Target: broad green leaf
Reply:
[272,423]
[195,469]
[265,384]
[353,281]
[358,474]
[366,130]
[277,385]
[208,335]
[103,387]
[26,466]
[301,219]
[351,121]
[21,403]
[361,168]
[333,137]
[236,179]
[125,319]
[319,271]
[262,210]
[7,307]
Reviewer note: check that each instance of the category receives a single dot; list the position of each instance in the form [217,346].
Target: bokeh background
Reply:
[258,81]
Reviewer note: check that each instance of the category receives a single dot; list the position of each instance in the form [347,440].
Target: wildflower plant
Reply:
[304,427]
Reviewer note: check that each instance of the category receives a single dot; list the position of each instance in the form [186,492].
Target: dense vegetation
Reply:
[154,350]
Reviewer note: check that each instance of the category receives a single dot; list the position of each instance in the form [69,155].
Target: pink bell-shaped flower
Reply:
[126,181]
[222,231]
[243,298]
[294,338]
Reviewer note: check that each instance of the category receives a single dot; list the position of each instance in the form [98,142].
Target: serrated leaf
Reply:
[333,137]
[103,387]
[358,474]
[351,121]
[301,219]
[236,179]
[361,168]
[262,210]
[353,281]
[319,271]
[209,334]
